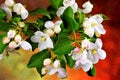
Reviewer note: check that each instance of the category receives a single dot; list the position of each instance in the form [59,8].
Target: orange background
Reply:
[108,69]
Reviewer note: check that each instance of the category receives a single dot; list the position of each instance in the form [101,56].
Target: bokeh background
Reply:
[14,67]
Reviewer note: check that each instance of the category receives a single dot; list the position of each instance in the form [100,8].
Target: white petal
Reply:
[35,39]
[49,43]
[18,8]
[42,46]
[74,7]
[89,31]
[9,3]
[58,22]
[60,11]
[24,14]
[25,45]
[98,18]
[61,73]
[99,43]
[85,44]
[87,66]
[68,2]
[52,71]
[102,54]
[7,10]
[100,29]
[49,24]
[87,10]
[92,46]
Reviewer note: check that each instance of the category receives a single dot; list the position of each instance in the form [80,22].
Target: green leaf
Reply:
[41,11]
[37,59]
[2,46]
[92,72]
[63,46]
[104,17]
[70,61]
[39,70]
[56,3]
[4,26]
[2,14]
[69,20]
[15,20]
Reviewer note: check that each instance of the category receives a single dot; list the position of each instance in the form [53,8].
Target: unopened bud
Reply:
[47,62]
[5,40]
[9,3]
[56,64]
[21,24]
[18,38]
[50,32]
[57,29]
[44,70]
[12,44]
[11,34]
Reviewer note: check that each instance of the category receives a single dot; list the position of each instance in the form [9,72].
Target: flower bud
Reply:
[5,40]
[21,24]
[57,29]
[47,62]
[44,70]
[56,64]
[18,38]
[11,34]
[12,44]
[9,3]
[50,32]
[49,24]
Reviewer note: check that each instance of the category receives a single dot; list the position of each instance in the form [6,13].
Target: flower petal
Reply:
[35,39]
[86,67]
[60,11]
[52,71]
[49,24]
[102,54]
[61,73]
[99,43]
[100,29]
[89,31]
[75,7]
[24,14]
[25,45]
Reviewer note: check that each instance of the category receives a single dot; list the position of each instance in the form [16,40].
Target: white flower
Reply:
[95,52]
[52,27]
[18,38]
[9,3]
[43,39]
[93,24]
[1,56]
[20,10]
[21,24]
[7,10]
[12,44]
[66,4]
[87,7]
[59,71]
[5,40]
[11,34]
[47,62]
[81,59]
[56,64]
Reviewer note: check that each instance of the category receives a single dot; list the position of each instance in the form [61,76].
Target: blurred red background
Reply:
[108,69]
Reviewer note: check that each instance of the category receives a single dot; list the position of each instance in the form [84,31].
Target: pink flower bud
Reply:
[11,34]
[56,64]
[18,38]
[47,62]
[5,40]
[76,49]
[12,44]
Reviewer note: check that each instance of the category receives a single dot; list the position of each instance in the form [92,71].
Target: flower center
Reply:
[42,38]
[94,24]
[94,51]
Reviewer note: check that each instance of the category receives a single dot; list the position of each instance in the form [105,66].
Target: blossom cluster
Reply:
[64,35]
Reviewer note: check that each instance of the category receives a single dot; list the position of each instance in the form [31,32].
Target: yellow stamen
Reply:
[94,24]
[94,51]
[43,38]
